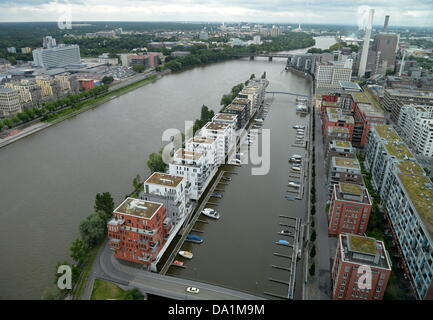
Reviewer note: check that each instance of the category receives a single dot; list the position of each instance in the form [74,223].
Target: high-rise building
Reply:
[361,268]
[365,45]
[52,56]
[329,75]
[385,49]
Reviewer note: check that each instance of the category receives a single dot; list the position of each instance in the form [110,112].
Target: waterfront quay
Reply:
[260,208]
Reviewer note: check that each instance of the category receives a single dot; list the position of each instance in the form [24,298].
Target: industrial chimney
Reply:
[385,26]
[366,44]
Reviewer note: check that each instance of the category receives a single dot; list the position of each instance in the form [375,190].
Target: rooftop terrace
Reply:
[240,101]
[362,244]
[164,179]
[236,107]
[225,116]
[201,139]
[420,192]
[342,143]
[188,155]
[335,129]
[216,126]
[138,207]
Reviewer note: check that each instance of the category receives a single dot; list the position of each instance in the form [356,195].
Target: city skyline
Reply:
[415,13]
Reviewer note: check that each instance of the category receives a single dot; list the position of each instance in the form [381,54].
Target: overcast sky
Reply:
[402,12]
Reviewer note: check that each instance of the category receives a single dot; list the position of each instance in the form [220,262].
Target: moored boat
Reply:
[186,254]
[211,213]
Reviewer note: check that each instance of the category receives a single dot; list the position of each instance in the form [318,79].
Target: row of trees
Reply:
[93,230]
[71,100]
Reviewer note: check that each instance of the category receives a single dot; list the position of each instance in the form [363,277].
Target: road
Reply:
[109,268]
[323,242]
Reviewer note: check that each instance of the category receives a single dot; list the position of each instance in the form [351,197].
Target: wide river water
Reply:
[49,180]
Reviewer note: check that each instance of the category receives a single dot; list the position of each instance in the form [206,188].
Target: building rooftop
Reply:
[398,150]
[216,126]
[364,251]
[410,167]
[335,129]
[361,244]
[351,188]
[410,93]
[201,139]
[360,97]
[420,192]
[387,132]
[350,86]
[225,116]
[371,110]
[236,107]
[240,101]
[138,207]
[342,143]
[164,179]
[188,155]
[329,103]
[346,162]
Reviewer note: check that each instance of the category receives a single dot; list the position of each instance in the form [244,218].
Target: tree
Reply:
[2,125]
[107,79]
[155,163]
[136,182]
[226,100]
[313,251]
[138,68]
[264,75]
[253,76]
[79,251]
[92,229]
[134,294]
[313,236]
[104,205]
[312,270]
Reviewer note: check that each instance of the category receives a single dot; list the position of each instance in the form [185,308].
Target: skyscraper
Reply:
[365,46]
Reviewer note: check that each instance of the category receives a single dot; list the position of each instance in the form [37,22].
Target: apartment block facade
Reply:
[137,230]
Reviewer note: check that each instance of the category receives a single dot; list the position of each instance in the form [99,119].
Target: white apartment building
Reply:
[224,134]
[407,197]
[9,102]
[171,191]
[415,122]
[195,168]
[206,146]
[328,76]
[409,209]
[385,151]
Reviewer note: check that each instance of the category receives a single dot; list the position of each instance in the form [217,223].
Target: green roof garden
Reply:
[420,191]
[362,244]
[387,132]
[398,150]
[345,162]
[342,143]
[410,167]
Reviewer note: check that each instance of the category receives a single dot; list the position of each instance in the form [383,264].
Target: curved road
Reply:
[109,268]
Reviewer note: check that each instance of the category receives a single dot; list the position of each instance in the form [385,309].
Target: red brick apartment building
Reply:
[350,209]
[137,231]
[354,252]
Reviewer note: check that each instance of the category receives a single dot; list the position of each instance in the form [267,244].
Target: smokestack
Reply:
[366,44]
[385,26]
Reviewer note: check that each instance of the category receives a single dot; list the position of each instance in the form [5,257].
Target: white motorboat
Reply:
[211,213]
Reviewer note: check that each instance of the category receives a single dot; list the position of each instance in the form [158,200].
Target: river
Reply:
[49,180]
